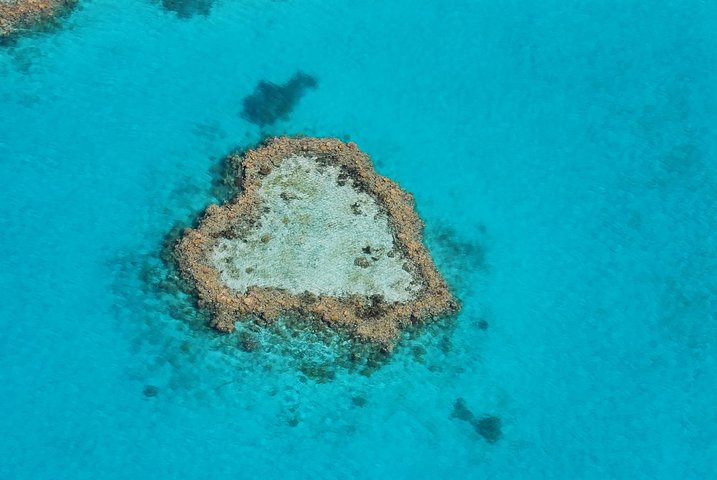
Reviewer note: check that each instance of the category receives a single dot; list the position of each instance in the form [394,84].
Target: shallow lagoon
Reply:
[562,156]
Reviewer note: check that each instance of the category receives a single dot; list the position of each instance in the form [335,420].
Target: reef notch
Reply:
[290,242]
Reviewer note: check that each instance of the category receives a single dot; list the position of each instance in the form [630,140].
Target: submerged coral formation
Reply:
[315,232]
[271,102]
[487,426]
[17,15]
[188,8]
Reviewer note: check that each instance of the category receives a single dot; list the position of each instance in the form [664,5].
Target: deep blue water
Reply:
[562,153]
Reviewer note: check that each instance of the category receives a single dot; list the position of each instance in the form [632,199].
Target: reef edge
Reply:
[365,319]
[19,15]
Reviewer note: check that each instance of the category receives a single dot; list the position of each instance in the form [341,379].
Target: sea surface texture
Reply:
[563,155]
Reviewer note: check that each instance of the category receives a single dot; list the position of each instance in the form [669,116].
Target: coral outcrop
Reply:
[18,15]
[315,232]
[271,102]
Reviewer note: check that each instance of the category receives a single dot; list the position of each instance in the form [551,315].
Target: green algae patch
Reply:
[315,231]
[20,15]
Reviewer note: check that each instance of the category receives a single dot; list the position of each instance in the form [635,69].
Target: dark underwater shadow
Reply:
[270,102]
[187,8]
[488,426]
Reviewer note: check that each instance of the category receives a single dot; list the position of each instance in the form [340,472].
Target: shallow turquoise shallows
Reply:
[563,155]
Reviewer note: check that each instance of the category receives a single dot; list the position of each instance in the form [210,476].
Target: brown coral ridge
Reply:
[18,15]
[368,319]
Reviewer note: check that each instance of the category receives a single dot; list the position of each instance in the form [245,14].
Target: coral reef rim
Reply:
[351,253]
[19,15]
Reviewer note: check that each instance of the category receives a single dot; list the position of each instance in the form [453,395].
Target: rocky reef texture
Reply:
[18,15]
[314,232]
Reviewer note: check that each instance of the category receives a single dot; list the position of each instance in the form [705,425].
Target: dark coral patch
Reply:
[461,411]
[248,342]
[271,102]
[489,427]
[418,352]
[469,254]
[150,391]
[188,8]
[320,373]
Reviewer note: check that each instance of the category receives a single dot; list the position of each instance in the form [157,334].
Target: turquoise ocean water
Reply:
[562,153]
